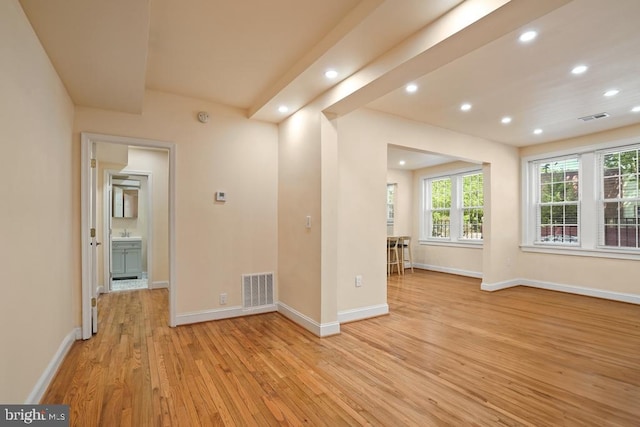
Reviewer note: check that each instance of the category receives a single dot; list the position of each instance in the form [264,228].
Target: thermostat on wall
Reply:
[221,196]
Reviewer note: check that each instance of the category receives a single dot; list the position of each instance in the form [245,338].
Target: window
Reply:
[440,208]
[557,200]
[588,202]
[472,206]
[453,208]
[620,198]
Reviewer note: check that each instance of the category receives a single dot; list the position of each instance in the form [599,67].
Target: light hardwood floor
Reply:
[448,354]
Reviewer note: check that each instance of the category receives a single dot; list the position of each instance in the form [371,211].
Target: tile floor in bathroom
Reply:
[129,285]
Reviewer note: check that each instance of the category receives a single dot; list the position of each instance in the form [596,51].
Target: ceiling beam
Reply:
[467,27]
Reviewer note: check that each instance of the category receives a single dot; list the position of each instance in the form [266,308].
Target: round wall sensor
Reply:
[203,117]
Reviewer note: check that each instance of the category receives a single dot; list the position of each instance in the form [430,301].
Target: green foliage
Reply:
[621,172]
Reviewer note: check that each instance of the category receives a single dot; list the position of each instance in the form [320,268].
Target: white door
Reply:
[89,239]
[93,185]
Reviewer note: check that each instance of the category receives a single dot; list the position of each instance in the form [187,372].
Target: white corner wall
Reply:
[38,248]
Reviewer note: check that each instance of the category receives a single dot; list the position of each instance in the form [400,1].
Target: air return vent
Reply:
[594,117]
[257,290]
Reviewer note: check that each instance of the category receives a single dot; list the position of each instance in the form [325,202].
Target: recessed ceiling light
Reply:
[537,131]
[402,162]
[331,74]
[611,92]
[283,109]
[411,88]
[465,107]
[579,69]
[527,36]
[506,120]
[636,109]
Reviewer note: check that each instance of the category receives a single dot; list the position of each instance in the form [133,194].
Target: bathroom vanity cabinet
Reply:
[126,258]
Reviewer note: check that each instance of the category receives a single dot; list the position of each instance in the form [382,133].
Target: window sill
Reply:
[576,251]
[469,244]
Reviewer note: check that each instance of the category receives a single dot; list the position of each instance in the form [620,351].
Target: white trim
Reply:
[86,140]
[45,379]
[455,211]
[491,287]
[450,270]
[101,290]
[460,243]
[160,284]
[590,213]
[362,313]
[631,254]
[106,227]
[85,158]
[219,314]
[321,330]
[561,287]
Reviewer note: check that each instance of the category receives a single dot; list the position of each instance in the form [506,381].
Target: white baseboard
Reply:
[321,330]
[225,313]
[362,313]
[164,284]
[500,285]
[45,379]
[449,270]
[561,287]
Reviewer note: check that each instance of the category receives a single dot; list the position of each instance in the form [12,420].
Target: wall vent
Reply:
[257,290]
[594,117]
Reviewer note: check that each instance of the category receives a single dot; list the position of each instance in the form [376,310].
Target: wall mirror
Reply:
[124,197]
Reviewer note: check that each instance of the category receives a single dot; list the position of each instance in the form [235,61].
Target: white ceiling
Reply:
[257,55]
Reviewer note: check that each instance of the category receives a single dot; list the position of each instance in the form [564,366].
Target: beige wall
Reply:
[40,262]
[598,273]
[362,215]
[299,186]
[215,242]
[404,202]
[501,167]
[463,260]
[156,162]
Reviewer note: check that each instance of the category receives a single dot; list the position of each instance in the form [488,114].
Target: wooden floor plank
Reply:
[447,354]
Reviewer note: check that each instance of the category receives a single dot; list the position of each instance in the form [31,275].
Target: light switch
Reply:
[221,196]
[308,223]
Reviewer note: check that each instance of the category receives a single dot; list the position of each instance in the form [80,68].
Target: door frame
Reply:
[106,223]
[86,139]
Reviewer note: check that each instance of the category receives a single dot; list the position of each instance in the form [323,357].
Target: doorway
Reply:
[91,238]
[128,215]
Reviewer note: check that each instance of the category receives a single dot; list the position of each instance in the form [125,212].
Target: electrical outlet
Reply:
[358,281]
[223,299]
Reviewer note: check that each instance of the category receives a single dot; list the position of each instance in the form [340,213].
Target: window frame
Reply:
[590,212]
[456,222]
[538,203]
[602,200]
[462,207]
